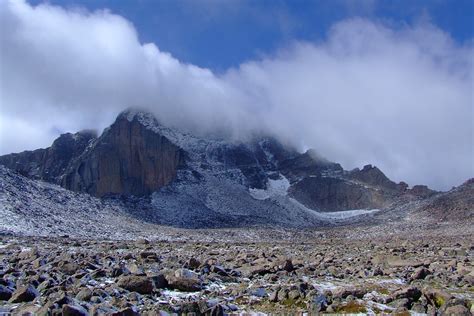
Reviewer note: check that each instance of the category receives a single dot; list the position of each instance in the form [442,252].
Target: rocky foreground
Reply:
[46,276]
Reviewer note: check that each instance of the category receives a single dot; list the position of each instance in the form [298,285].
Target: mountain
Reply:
[186,180]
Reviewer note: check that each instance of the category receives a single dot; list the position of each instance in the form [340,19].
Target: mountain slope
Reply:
[184,180]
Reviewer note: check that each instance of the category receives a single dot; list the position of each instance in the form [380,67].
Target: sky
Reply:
[383,82]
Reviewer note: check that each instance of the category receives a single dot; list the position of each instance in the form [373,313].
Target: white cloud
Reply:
[398,98]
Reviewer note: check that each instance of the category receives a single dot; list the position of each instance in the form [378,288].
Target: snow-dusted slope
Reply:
[219,183]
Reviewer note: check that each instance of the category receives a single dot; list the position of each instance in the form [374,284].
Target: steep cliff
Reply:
[128,158]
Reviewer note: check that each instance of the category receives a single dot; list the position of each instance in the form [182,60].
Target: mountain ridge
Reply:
[186,179]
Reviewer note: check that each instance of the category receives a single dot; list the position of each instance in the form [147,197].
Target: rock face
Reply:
[334,194]
[127,159]
[49,164]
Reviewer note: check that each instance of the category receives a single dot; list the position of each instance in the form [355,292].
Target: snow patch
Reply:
[340,215]
[278,187]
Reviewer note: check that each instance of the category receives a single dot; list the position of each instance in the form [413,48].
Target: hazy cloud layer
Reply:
[398,98]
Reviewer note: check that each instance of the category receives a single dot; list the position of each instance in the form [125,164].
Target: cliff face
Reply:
[49,164]
[127,159]
[335,194]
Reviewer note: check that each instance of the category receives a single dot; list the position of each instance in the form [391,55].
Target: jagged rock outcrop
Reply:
[49,164]
[373,176]
[128,158]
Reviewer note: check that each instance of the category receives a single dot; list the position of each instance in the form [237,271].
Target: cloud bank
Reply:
[397,97]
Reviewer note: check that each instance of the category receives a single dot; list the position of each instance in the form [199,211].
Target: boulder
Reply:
[74,310]
[412,293]
[184,280]
[5,293]
[24,294]
[136,283]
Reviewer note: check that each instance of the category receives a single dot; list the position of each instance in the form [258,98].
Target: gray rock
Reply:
[24,294]
[84,295]
[5,293]
[420,273]
[458,310]
[74,310]
[411,292]
[184,280]
[345,292]
[136,283]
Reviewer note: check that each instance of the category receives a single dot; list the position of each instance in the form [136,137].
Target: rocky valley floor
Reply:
[300,273]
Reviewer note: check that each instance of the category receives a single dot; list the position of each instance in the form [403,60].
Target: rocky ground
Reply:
[398,275]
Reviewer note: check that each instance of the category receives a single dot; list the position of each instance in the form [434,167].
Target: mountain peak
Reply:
[136,113]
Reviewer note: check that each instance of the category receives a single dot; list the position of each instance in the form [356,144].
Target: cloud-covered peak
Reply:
[400,98]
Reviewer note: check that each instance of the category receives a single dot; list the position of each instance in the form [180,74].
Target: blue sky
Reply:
[222,34]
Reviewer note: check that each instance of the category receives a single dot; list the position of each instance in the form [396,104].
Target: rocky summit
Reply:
[146,219]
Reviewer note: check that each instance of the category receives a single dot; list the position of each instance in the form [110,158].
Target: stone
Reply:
[150,255]
[273,297]
[84,295]
[420,273]
[184,280]
[24,294]
[318,303]
[69,268]
[412,293]
[436,297]
[135,269]
[396,262]
[5,293]
[28,309]
[219,270]
[159,281]
[216,310]
[282,295]
[345,292]
[294,294]
[74,310]
[259,292]
[136,283]
[193,263]
[129,311]
[458,310]
[288,265]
